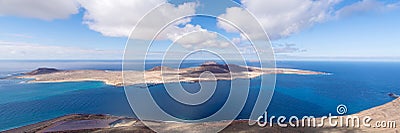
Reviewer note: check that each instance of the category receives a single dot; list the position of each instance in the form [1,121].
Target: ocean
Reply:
[358,85]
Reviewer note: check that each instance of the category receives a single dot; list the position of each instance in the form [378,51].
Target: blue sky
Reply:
[347,30]
[369,34]
[64,32]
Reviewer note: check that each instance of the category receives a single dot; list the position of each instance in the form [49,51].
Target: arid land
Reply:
[160,74]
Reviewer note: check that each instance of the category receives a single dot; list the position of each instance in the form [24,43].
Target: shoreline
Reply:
[159,75]
[126,124]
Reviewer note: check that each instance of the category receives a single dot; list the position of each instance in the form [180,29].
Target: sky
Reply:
[297,29]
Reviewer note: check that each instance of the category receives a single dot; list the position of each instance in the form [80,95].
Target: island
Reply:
[159,74]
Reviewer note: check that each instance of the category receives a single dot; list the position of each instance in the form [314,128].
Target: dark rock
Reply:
[393,95]
[220,68]
[42,71]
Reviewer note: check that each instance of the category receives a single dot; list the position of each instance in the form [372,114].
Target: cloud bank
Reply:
[41,9]
[282,18]
[116,18]
[26,51]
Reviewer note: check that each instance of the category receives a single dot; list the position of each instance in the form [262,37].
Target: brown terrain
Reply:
[159,74]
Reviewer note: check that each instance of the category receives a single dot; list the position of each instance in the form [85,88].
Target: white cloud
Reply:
[41,9]
[117,18]
[278,48]
[286,48]
[173,32]
[365,6]
[22,50]
[202,39]
[280,18]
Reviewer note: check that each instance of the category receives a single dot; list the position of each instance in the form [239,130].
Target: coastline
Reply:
[159,75]
[124,124]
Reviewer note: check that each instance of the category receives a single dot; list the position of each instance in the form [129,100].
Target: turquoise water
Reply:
[358,85]
[53,100]
[22,91]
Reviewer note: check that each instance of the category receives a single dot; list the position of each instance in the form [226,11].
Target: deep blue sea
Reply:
[358,85]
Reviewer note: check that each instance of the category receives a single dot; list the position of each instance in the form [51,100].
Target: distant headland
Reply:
[159,74]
